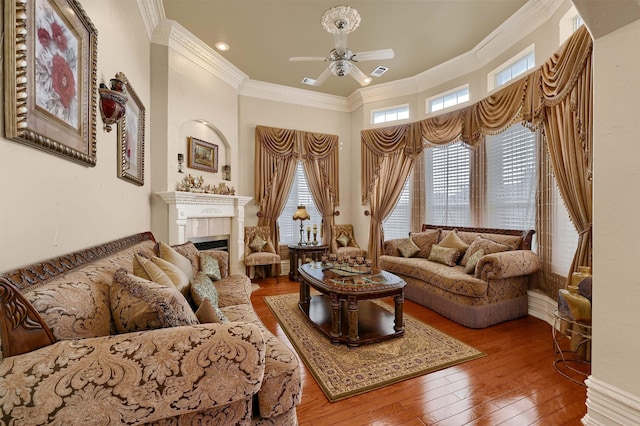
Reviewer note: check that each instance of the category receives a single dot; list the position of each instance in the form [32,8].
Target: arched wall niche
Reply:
[205,130]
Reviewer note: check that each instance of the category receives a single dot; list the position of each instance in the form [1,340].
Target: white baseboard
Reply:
[541,306]
[607,405]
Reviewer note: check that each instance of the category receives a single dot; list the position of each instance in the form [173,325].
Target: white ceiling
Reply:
[263,34]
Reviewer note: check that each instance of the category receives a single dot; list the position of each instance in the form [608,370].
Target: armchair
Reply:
[259,250]
[344,243]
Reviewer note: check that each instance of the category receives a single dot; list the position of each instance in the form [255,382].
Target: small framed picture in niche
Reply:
[202,155]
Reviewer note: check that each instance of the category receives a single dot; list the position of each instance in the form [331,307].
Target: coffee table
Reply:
[344,310]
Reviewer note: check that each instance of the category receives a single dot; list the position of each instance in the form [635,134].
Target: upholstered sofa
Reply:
[66,363]
[499,265]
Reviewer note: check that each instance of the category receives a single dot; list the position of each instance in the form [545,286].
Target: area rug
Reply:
[344,372]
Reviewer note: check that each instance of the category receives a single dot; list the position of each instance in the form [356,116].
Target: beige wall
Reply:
[51,206]
[616,202]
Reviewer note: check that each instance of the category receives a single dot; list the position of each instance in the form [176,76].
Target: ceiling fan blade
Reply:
[308,58]
[373,55]
[322,77]
[359,76]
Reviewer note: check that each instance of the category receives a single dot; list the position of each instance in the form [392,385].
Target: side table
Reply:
[299,254]
[572,348]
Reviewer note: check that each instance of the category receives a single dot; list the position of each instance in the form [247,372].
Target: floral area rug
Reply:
[344,372]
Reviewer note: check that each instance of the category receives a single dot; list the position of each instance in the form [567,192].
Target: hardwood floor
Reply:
[515,384]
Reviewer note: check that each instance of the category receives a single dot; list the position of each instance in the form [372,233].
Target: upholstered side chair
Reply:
[259,250]
[343,243]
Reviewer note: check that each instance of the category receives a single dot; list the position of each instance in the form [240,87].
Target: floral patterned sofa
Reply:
[484,283]
[66,363]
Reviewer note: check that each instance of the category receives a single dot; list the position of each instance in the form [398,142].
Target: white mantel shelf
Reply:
[183,206]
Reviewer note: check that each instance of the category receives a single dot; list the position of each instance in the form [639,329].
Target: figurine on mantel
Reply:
[196,184]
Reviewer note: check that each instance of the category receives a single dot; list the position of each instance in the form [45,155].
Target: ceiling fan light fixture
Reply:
[340,68]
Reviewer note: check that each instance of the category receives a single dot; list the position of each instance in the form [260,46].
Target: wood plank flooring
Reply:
[515,384]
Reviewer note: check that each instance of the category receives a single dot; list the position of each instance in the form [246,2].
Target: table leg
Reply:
[336,324]
[353,321]
[305,295]
[399,319]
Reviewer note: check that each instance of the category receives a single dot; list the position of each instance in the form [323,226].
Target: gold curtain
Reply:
[558,96]
[277,151]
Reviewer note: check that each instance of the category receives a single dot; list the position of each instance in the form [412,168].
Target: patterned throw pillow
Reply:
[203,288]
[169,254]
[409,248]
[488,246]
[138,304]
[209,265]
[257,244]
[445,255]
[343,240]
[470,266]
[424,240]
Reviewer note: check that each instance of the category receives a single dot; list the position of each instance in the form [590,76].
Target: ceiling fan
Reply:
[340,21]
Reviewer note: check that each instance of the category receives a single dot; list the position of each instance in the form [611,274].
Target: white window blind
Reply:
[565,236]
[511,179]
[398,223]
[299,195]
[448,185]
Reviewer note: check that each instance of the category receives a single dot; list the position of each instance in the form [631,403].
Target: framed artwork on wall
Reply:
[131,137]
[51,51]
[202,155]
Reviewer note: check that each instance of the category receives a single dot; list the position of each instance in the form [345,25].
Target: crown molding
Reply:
[292,95]
[152,12]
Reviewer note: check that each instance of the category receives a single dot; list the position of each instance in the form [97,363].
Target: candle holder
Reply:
[315,238]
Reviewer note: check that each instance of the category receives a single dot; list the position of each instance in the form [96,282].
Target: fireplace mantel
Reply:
[184,206]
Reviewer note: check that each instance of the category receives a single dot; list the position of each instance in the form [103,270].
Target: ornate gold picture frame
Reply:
[202,155]
[131,137]
[50,83]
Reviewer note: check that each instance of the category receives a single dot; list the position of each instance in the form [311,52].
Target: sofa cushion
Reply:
[191,252]
[178,278]
[73,309]
[408,248]
[203,288]
[470,266]
[145,268]
[452,240]
[424,240]
[170,254]
[210,266]
[234,289]
[208,313]
[488,246]
[445,255]
[138,304]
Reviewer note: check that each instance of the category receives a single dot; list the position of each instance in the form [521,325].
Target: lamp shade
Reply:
[301,214]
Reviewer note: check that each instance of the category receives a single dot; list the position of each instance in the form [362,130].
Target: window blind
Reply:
[447,197]
[398,223]
[299,195]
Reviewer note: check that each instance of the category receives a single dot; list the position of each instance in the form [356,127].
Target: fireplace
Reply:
[210,220]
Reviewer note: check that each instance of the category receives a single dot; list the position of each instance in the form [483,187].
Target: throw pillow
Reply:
[138,304]
[424,240]
[169,254]
[470,266]
[452,240]
[191,252]
[343,240]
[409,248]
[146,269]
[178,278]
[207,313]
[257,244]
[488,246]
[203,288]
[445,255]
[209,265]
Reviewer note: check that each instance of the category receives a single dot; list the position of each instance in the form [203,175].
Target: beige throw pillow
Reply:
[146,269]
[207,313]
[452,240]
[343,240]
[445,255]
[257,244]
[138,304]
[177,276]
[169,254]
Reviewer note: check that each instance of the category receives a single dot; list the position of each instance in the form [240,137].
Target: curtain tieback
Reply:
[585,230]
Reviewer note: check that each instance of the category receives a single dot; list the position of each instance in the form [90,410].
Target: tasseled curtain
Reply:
[277,151]
[557,96]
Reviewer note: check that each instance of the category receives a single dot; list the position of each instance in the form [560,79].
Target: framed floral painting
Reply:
[131,137]
[203,155]
[51,51]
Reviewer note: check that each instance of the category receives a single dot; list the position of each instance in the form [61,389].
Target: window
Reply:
[398,223]
[565,236]
[299,195]
[577,22]
[448,99]
[448,185]
[513,68]
[390,114]
[568,24]
[511,179]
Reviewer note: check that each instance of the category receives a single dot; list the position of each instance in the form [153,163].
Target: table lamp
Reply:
[302,215]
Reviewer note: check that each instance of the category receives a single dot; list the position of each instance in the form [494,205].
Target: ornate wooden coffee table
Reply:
[345,311]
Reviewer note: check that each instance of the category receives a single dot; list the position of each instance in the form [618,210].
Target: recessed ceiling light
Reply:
[221,46]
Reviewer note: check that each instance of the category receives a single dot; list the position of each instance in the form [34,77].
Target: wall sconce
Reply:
[180,161]
[112,102]
[226,172]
